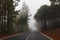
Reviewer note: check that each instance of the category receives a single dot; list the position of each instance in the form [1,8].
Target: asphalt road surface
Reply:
[28,36]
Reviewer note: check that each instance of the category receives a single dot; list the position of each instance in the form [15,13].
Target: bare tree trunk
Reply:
[45,24]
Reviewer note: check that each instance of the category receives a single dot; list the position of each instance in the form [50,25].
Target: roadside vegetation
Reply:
[48,17]
[11,20]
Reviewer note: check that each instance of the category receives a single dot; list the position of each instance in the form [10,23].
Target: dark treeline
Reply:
[12,21]
[48,17]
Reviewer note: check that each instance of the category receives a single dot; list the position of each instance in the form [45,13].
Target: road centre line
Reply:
[28,37]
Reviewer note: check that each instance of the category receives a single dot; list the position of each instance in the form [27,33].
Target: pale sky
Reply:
[34,5]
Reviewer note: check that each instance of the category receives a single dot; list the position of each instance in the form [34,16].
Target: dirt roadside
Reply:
[54,34]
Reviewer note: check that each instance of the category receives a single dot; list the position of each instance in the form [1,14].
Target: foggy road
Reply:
[29,36]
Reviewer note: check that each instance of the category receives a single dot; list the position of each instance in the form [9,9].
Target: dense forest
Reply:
[12,21]
[48,17]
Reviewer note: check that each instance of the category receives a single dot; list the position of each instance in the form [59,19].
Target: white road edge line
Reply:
[11,36]
[28,37]
[8,37]
[46,36]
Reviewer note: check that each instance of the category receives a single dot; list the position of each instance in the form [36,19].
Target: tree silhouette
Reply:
[50,13]
[23,18]
[6,18]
